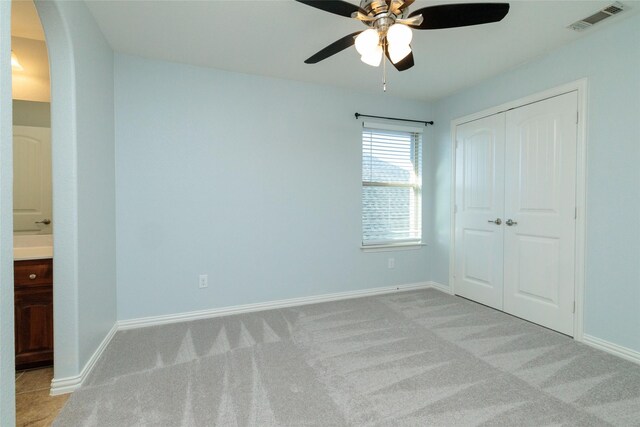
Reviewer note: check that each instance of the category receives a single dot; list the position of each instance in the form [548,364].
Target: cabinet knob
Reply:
[32,276]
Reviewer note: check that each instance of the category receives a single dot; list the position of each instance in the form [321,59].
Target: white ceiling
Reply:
[274,37]
[27,42]
[25,22]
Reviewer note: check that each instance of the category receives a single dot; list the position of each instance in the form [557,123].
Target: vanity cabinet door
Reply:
[34,327]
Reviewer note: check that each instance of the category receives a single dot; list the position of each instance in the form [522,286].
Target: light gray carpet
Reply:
[414,358]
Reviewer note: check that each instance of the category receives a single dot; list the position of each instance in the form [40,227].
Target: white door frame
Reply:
[581,185]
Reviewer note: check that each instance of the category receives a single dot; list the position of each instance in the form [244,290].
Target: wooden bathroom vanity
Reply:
[33,281]
[33,301]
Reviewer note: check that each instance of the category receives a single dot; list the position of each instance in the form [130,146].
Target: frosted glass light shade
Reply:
[373,58]
[397,52]
[367,42]
[399,34]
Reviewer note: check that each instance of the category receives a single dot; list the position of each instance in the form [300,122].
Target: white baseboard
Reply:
[69,384]
[600,344]
[609,347]
[442,288]
[270,305]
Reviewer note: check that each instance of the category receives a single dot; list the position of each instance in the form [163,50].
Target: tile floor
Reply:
[34,406]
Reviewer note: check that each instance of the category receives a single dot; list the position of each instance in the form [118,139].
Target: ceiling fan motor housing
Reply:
[384,17]
[376,7]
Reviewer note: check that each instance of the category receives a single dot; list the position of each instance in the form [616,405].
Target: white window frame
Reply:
[397,244]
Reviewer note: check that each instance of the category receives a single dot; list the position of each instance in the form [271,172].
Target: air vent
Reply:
[600,15]
[614,8]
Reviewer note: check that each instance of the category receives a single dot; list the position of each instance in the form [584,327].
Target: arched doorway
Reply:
[31,303]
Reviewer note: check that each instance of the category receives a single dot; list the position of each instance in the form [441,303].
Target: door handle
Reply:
[45,221]
[510,222]
[497,221]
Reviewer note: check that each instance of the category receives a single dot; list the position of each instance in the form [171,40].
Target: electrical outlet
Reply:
[391,263]
[203,281]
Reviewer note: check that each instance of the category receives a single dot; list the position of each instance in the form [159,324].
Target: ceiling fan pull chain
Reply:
[384,67]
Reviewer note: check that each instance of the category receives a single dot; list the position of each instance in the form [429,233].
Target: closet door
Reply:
[479,209]
[540,194]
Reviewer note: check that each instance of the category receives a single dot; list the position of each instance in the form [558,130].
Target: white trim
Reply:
[261,306]
[452,208]
[581,210]
[388,126]
[69,384]
[442,288]
[580,86]
[392,247]
[609,347]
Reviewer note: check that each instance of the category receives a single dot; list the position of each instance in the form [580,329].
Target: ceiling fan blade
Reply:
[342,8]
[460,15]
[404,64]
[333,48]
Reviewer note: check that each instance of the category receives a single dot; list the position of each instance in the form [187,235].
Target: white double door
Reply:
[515,189]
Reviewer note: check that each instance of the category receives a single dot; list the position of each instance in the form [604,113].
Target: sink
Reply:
[32,246]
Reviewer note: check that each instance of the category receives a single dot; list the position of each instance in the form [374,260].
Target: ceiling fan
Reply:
[389,21]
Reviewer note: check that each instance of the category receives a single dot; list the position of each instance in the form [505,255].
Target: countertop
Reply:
[32,246]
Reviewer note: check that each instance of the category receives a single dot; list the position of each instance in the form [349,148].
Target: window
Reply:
[391,185]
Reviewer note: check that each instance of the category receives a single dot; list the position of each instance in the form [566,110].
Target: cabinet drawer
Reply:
[33,272]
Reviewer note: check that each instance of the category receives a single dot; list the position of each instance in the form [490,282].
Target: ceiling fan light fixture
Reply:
[373,58]
[399,34]
[390,26]
[367,42]
[397,52]
[15,64]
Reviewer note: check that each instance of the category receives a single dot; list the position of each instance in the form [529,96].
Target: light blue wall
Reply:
[7,354]
[83,182]
[96,181]
[252,180]
[610,59]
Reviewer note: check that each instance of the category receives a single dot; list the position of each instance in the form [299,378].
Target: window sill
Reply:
[393,247]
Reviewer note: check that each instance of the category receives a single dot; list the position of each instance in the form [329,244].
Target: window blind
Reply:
[391,185]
